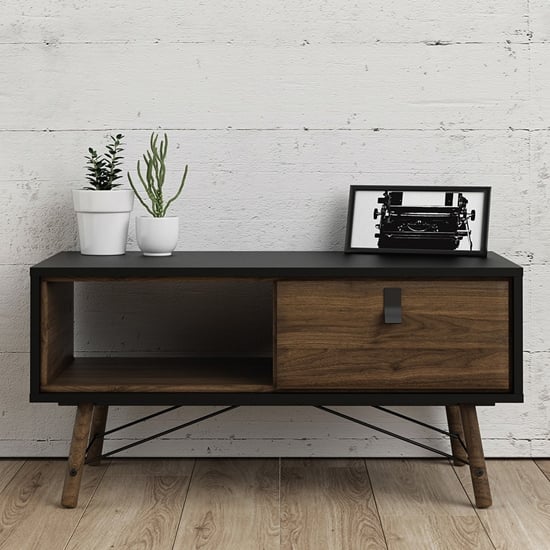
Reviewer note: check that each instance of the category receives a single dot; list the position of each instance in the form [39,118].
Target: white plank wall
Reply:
[277,107]
[317,86]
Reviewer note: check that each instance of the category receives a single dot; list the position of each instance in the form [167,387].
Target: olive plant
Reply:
[153,182]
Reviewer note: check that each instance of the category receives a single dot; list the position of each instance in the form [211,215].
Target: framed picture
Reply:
[418,220]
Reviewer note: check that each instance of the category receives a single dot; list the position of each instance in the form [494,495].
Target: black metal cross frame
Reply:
[451,435]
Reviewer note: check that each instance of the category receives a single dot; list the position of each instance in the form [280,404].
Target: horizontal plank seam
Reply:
[298,43]
[443,128]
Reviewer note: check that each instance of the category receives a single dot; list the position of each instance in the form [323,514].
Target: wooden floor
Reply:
[264,504]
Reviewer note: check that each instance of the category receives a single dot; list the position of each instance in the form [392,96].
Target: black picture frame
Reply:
[418,228]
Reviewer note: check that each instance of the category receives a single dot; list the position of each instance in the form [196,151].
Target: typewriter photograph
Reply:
[422,220]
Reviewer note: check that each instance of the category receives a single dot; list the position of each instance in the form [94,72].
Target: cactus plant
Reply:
[153,182]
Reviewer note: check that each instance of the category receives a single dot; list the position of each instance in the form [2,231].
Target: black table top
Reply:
[274,264]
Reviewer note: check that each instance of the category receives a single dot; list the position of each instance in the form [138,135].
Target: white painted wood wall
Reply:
[278,107]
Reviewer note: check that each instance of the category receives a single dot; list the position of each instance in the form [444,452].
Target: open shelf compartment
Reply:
[203,356]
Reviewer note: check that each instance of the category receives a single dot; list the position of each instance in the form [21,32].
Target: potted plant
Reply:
[156,235]
[102,210]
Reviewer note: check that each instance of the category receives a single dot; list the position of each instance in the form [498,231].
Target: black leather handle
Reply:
[392,305]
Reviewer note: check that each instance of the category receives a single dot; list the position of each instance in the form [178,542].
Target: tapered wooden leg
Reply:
[99,421]
[454,420]
[77,454]
[478,470]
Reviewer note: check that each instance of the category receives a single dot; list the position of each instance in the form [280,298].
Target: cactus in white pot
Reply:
[157,235]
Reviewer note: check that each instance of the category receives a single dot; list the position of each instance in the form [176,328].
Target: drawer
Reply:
[454,336]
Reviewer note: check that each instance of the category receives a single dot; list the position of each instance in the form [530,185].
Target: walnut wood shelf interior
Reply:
[109,374]
[207,350]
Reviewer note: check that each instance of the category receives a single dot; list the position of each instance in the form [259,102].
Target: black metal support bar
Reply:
[133,423]
[414,421]
[166,432]
[322,407]
[391,434]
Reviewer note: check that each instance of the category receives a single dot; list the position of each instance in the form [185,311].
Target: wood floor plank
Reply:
[520,514]
[137,505]
[544,465]
[328,504]
[31,515]
[423,505]
[8,469]
[231,505]
[324,504]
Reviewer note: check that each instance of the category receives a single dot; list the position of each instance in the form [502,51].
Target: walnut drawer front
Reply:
[454,336]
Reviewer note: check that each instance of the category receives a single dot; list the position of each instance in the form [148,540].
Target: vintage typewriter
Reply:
[422,227]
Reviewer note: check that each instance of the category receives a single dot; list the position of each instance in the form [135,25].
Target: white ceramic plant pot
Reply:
[103,219]
[157,236]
